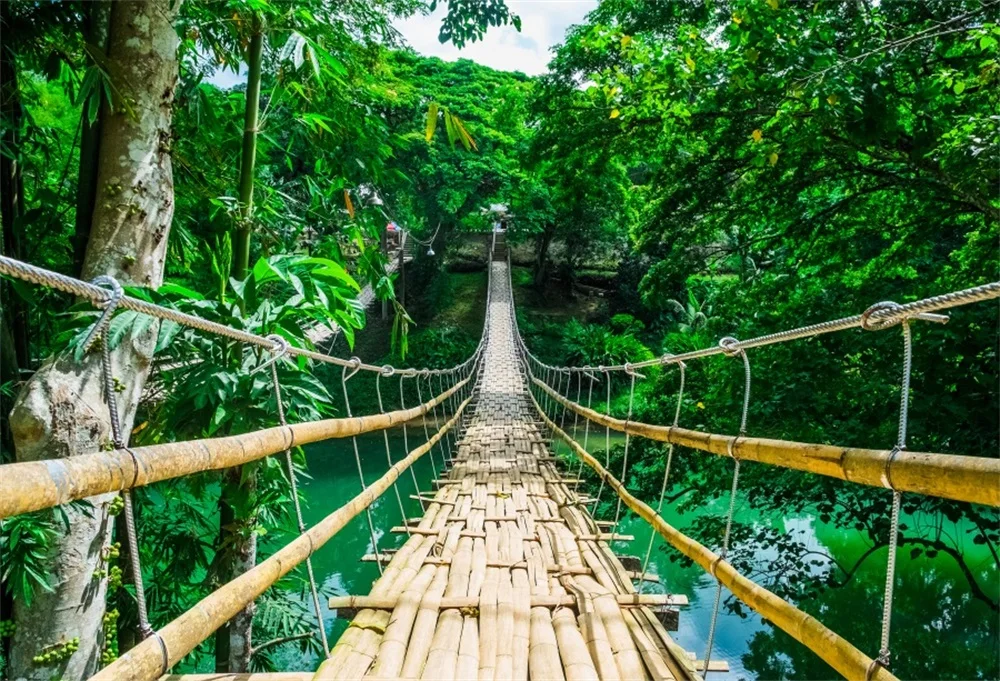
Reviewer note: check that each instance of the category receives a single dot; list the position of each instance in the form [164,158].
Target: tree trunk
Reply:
[96,32]
[542,258]
[61,412]
[12,194]
[236,536]
[255,52]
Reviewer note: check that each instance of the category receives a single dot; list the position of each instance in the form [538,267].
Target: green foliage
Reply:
[25,549]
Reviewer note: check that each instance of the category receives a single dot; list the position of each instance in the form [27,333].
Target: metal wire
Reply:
[290,468]
[586,431]
[427,435]
[666,475]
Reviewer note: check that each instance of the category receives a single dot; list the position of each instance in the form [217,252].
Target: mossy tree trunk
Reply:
[61,411]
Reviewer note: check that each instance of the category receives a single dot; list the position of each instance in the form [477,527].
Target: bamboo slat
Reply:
[33,485]
[830,647]
[948,476]
[536,601]
[180,637]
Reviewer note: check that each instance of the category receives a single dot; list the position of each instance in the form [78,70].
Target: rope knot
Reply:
[105,281]
[730,346]
[880,322]
[388,370]
[279,349]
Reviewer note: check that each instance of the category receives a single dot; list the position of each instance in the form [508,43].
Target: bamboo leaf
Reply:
[432,119]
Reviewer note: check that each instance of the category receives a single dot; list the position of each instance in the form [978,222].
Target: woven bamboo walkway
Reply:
[506,576]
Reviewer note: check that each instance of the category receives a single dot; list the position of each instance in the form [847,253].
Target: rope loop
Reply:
[110,305]
[730,346]
[355,365]
[886,473]
[279,350]
[388,370]
[869,324]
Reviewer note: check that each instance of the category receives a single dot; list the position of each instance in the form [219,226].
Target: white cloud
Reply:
[543,25]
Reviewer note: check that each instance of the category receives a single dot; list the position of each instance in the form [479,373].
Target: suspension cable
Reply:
[607,439]
[884,657]
[344,378]
[100,296]
[731,347]
[631,394]
[387,372]
[118,438]
[586,429]
[666,476]
[406,446]
[427,435]
[282,347]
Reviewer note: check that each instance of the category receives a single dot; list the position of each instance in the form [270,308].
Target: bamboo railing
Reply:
[153,656]
[948,476]
[833,649]
[34,485]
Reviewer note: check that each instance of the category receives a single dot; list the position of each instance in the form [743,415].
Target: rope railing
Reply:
[101,297]
[878,317]
[948,476]
[833,649]
[151,658]
[962,478]
[34,485]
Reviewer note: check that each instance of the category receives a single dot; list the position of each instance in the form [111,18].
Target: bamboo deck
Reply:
[506,576]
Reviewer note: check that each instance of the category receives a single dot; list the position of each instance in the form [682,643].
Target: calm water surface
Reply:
[939,630]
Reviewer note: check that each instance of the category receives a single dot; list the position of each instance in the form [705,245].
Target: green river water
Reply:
[939,631]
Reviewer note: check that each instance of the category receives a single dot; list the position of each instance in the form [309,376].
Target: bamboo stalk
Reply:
[830,647]
[145,661]
[33,485]
[949,476]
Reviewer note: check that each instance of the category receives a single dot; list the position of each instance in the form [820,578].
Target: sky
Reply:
[543,25]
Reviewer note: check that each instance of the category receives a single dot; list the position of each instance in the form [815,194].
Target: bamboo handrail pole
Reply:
[33,485]
[949,476]
[806,629]
[145,662]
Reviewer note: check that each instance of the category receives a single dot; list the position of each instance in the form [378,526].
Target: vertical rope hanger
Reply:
[884,655]
[344,378]
[586,430]
[406,445]
[100,329]
[666,476]
[388,371]
[607,438]
[427,435]
[731,348]
[281,347]
[631,396]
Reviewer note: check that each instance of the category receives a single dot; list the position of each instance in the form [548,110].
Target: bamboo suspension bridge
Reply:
[507,575]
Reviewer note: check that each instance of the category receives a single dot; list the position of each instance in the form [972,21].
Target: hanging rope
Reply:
[666,476]
[344,378]
[884,656]
[427,434]
[631,395]
[607,438]
[406,446]
[586,429]
[100,329]
[730,346]
[389,371]
[281,349]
